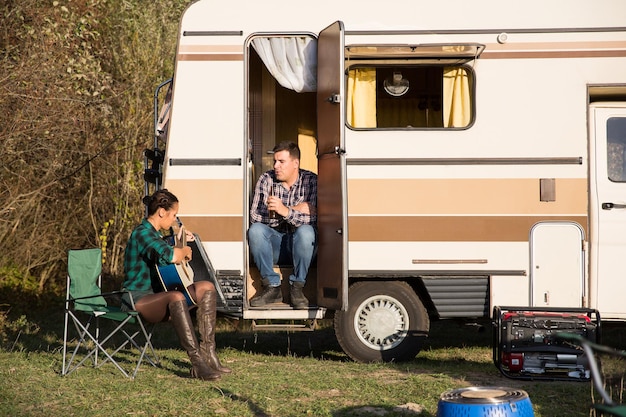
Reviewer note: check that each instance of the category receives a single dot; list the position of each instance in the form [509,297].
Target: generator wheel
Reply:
[385,321]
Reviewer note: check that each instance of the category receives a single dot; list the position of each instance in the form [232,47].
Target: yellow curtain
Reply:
[361,103]
[456,98]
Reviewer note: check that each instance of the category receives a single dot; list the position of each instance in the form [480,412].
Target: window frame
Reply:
[414,56]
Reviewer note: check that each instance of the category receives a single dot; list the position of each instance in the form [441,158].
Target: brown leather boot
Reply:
[187,336]
[206,316]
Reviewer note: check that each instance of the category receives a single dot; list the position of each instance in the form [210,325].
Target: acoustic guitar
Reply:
[177,277]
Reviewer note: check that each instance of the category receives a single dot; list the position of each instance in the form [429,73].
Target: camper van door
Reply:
[332,255]
[608,205]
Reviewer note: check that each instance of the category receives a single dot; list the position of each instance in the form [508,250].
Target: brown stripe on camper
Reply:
[448,228]
[213,197]
[210,53]
[215,229]
[210,57]
[459,209]
[465,196]
[212,208]
[400,228]
[451,196]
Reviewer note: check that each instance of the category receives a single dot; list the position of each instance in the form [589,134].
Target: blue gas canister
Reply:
[485,402]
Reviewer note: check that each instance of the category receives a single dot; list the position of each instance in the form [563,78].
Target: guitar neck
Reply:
[180,242]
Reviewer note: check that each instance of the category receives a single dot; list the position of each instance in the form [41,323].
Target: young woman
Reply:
[145,250]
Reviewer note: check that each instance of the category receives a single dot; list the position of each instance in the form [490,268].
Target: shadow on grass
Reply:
[374,410]
[42,330]
[319,344]
[42,320]
[255,409]
[322,343]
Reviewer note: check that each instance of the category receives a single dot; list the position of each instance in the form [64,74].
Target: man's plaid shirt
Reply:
[303,190]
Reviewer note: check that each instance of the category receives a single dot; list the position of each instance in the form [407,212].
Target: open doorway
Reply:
[277,113]
[281,106]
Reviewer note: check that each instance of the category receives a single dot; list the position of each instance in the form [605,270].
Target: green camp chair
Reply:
[88,310]
[608,407]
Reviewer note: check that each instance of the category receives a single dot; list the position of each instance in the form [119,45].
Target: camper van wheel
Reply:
[385,321]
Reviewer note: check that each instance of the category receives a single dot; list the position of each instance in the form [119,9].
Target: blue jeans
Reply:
[269,247]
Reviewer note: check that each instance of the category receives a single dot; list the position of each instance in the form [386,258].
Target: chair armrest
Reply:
[87,297]
[130,296]
[110,293]
[104,294]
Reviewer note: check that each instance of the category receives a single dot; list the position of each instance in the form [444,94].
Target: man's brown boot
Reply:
[298,300]
[269,295]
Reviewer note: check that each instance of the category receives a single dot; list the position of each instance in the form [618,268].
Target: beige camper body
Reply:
[469,154]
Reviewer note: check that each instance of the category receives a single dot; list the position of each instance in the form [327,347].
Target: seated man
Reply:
[283,225]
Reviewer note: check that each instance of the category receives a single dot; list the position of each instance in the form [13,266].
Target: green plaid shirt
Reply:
[144,251]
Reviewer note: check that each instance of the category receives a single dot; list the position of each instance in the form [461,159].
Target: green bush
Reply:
[11,330]
[77,81]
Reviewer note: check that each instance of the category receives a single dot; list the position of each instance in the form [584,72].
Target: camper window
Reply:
[401,97]
[616,148]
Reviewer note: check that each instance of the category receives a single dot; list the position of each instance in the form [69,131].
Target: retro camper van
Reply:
[469,155]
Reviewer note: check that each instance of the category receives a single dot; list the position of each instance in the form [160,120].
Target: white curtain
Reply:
[291,60]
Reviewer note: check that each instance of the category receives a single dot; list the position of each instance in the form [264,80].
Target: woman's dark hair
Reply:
[160,199]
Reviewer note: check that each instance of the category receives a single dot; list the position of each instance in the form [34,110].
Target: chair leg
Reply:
[143,351]
[64,369]
[84,335]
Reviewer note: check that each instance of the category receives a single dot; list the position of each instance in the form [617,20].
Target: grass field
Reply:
[275,374]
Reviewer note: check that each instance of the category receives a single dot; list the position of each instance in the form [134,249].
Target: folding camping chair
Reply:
[86,306]
[607,375]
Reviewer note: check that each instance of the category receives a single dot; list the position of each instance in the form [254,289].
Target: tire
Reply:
[385,321]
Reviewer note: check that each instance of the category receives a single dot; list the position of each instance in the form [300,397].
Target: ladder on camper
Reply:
[229,284]
[153,158]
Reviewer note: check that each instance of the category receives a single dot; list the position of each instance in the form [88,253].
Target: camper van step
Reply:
[231,285]
[235,303]
[230,310]
[231,295]
[279,327]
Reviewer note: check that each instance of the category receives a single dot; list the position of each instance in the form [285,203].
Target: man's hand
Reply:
[276,204]
[305,208]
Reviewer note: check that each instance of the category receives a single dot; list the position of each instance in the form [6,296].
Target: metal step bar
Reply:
[309,326]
